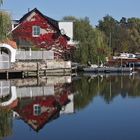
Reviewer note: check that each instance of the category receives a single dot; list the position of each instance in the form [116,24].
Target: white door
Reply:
[4,61]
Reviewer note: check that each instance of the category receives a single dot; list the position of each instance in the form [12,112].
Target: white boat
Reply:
[125,56]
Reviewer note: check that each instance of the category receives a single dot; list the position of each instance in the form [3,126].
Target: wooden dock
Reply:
[108,69]
[23,69]
[11,74]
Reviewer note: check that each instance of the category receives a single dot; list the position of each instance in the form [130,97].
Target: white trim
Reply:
[33,31]
[14,29]
[13,97]
[12,51]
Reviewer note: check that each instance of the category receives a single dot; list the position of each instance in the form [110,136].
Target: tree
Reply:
[109,26]
[100,50]
[5,123]
[1,2]
[91,41]
[134,32]
[123,35]
[69,18]
[5,24]
[87,89]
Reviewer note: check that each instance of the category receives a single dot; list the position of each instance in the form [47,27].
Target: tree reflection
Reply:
[38,109]
[87,89]
[5,122]
[107,87]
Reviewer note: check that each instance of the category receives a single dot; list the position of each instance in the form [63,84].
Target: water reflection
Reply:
[40,110]
[106,86]
[35,101]
[39,101]
[5,122]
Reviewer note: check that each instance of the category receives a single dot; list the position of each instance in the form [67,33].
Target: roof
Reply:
[10,42]
[15,20]
[53,22]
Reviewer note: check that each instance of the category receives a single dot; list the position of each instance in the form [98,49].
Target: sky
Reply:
[57,9]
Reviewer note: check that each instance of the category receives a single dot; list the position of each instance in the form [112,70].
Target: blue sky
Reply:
[94,9]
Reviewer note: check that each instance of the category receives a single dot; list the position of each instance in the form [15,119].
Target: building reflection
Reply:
[38,101]
[5,122]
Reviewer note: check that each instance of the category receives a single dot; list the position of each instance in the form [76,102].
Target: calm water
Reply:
[84,107]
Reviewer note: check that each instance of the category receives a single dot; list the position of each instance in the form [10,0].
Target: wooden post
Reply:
[7,75]
[22,74]
[38,81]
[45,72]
[133,67]
[37,69]
[64,71]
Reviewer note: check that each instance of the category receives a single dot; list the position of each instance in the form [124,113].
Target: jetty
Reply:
[21,64]
[108,69]
[25,69]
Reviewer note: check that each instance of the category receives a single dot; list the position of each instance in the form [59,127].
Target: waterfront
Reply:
[90,107]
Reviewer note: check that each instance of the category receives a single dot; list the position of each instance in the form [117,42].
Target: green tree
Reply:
[5,122]
[109,26]
[134,32]
[107,87]
[123,35]
[92,45]
[5,24]
[99,46]
[87,89]
[1,2]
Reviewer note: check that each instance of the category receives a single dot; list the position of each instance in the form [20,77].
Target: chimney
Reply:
[28,10]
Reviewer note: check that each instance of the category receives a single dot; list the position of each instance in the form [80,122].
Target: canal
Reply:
[94,107]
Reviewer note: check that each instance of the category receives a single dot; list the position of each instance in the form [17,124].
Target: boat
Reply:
[125,56]
[125,60]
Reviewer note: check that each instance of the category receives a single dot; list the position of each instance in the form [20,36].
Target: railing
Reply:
[34,91]
[34,55]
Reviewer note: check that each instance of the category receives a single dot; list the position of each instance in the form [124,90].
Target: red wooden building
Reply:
[40,110]
[35,30]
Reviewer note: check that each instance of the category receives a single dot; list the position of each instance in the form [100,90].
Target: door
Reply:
[4,61]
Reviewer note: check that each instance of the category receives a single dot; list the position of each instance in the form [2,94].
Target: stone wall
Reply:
[44,65]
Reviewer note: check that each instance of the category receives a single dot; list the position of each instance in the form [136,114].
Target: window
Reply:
[36,31]
[37,109]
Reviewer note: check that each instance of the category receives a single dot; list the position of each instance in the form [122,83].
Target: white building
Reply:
[66,27]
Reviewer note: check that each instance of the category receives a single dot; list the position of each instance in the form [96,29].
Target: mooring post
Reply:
[22,74]
[45,72]
[64,71]
[38,81]
[7,75]
[133,66]
[37,69]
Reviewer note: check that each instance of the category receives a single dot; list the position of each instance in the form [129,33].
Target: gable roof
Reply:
[51,21]
[9,42]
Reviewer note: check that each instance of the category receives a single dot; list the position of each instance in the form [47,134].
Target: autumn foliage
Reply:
[50,38]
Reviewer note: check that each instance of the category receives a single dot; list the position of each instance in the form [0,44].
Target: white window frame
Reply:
[36,109]
[36,31]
